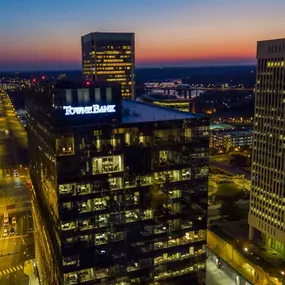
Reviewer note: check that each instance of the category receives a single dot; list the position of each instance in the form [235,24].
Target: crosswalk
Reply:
[11,270]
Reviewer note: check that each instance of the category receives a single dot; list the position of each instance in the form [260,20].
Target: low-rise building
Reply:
[246,262]
[226,139]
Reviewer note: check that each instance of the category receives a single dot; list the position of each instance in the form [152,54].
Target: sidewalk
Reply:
[215,276]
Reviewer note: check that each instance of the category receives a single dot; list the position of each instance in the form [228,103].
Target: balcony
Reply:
[145,263]
[177,257]
[78,277]
[68,226]
[172,176]
[186,239]
[70,261]
[106,238]
[176,273]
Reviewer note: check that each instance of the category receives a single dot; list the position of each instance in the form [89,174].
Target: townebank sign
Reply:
[94,109]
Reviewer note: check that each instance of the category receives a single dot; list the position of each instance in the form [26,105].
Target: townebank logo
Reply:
[94,109]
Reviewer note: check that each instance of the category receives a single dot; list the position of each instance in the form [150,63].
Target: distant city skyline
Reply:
[45,35]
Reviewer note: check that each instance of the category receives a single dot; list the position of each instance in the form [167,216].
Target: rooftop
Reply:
[237,132]
[138,112]
[216,127]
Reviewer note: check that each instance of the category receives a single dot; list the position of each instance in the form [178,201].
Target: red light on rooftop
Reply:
[43,77]
[87,83]
[34,80]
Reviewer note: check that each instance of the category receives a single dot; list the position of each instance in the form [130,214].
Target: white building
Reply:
[267,205]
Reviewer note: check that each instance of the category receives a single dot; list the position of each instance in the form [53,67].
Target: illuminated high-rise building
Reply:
[110,57]
[267,202]
[120,188]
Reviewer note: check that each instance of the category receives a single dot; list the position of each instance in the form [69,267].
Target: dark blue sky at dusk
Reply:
[46,34]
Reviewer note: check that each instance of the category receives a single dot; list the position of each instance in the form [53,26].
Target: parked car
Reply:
[14,220]
[5,232]
[6,219]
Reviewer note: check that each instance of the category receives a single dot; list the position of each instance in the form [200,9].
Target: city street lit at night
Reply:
[16,238]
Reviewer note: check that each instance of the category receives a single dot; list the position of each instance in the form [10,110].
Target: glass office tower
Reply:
[110,57]
[119,188]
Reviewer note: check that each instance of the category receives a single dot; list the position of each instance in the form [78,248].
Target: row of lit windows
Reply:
[117,47]
[126,83]
[89,274]
[267,217]
[66,145]
[276,64]
[182,271]
[118,183]
[114,64]
[112,72]
[116,79]
[104,220]
[105,57]
[106,68]
[107,52]
[111,60]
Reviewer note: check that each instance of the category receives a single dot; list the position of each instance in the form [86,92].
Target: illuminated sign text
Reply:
[94,109]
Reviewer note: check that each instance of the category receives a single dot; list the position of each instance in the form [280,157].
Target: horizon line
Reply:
[140,67]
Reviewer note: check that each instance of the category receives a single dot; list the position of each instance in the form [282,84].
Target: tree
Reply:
[245,148]
[231,149]
[230,209]
[241,160]
[227,189]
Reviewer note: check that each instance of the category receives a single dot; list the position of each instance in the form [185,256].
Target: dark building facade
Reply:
[119,190]
[110,57]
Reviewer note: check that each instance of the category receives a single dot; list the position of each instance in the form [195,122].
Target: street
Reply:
[16,236]
[215,276]
[13,141]
[228,168]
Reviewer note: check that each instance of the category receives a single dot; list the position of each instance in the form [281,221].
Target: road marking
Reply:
[11,270]
[14,237]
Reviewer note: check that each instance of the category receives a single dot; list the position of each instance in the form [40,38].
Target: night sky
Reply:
[45,35]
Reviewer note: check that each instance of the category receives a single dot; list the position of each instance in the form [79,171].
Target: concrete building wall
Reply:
[268,196]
